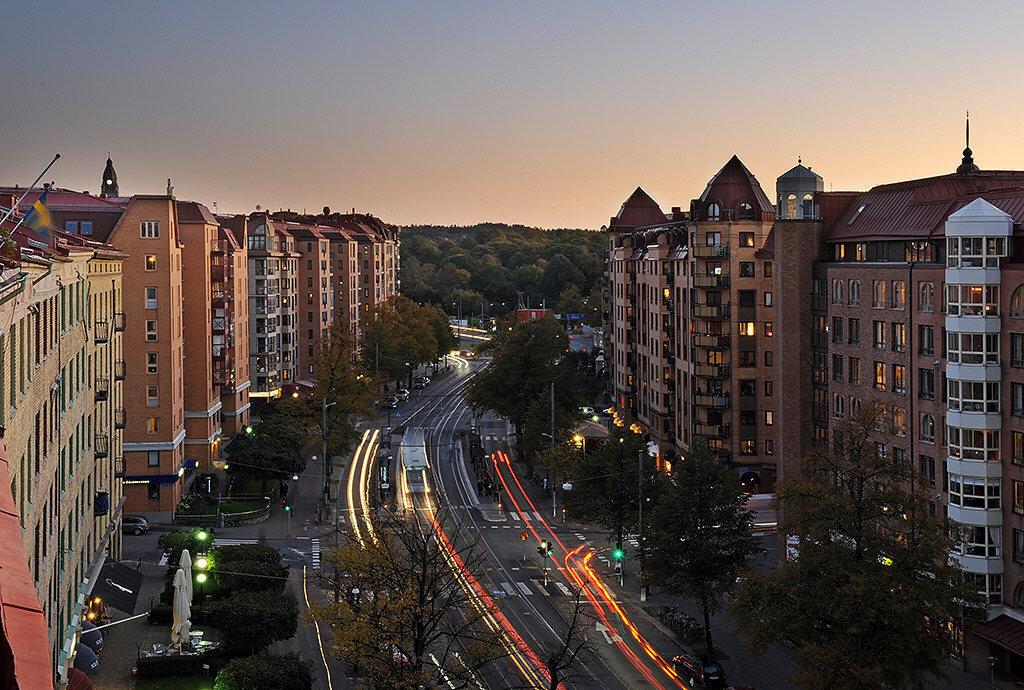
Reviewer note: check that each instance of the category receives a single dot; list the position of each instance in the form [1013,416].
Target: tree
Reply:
[249,575]
[253,620]
[397,337]
[570,301]
[443,333]
[562,659]
[525,362]
[872,594]
[265,672]
[345,384]
[273,450]
[406,614]
[173,543]
[700,536]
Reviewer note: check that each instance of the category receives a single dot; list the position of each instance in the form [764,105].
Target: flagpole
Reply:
[30,188]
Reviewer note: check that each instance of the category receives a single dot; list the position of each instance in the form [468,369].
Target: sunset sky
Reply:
[544,113]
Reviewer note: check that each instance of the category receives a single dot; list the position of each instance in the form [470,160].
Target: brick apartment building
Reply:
[784,319]
[61,421]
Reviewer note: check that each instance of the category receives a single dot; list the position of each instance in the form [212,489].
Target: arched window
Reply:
[1018,596]
[854,405]
[746,211]
[837,292]
[839,407]
[879,294]
[714,211]
[1017,303]
[927,428]
[791,206]
[925,296]
[899,421]
[808,206]
[854,292]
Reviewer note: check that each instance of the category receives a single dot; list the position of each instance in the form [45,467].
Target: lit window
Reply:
[150,262]
[769,417]
[768,299]
[152,425]
[899,294]
[881,376]
[746,327]
[769,330]
[746,239]
[748,447]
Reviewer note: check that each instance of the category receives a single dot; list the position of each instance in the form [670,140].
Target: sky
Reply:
[542,113]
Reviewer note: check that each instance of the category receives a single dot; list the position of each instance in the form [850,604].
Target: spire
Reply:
[108,185]
[967,165]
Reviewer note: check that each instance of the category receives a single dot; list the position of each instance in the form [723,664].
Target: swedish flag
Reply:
[38,217]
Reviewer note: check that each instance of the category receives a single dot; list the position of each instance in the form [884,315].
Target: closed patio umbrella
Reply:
[182,609]
[185,563]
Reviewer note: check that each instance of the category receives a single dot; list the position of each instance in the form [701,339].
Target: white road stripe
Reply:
[508,589]
[541,587]
[515,516]
[231,542]
[525,588]
[563,588]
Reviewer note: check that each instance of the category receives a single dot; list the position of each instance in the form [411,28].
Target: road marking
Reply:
[563,588]
[508,589]
[526,516]
[541,587]
[315,544]
[233,542]
[525,588]
[537,517]
[515,516]
[609,637]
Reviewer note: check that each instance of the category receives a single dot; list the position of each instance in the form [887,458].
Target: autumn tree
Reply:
[344,384]
[700,536]
[397,337]
[872,594]
[405,614]
[272,449]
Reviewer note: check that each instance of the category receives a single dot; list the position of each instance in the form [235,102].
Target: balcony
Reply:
[714,371]
[715,342]
[713,251]
[710,311]
[119,322]
[120,418]
[102,390]
[118,466]
[101,503]
[101,446]
[120,370]
[711,281]
[101,331]
[712,430]
[716,401]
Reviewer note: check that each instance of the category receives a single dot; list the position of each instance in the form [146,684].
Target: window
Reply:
[974,252]
[881,376]
[854,370]
[854,406]
[748,417]
[151,359]
[769,389]
[981,541]
[149,229]
[837,329]
[972,348]
[71,226]
[748,388]
[899,421]
[837,368]
[746,211]
[927,464]
[973,444]
[769,329]
[878,340]
[767,269]
[768,358]
[746,269]
[899,294]
[1017,448]
[925,296]
[748,358]
[150,262]
[746,297]
[768,301]
[769,417]
[769,447]
[791,206]
[854,336]
[154,491]
[1017,303]
[1016,399]
[746,239]
[151,298]
[839,406]
[926,340]
[1018,497]
[151,331]
[714,211]
[1018,556]
[837,292]
[748,447]
[854,293]
[152,396]
[926,384]
[1017,349]
[152,425]
[878,300]
[899,337]
[711,239]
[153,458]
[972,396]
[972,300]
[978,492]
[746,328]
[899,378]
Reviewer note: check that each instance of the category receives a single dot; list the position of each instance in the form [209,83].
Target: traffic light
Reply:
[546,548]
[248,431]
[617,554]
[287,507]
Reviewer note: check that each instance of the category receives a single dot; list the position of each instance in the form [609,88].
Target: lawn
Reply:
[241,506]
[191,682]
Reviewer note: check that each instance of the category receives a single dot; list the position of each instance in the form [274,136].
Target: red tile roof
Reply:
[735,184]
[638,210]
[67,200]
[194,212]
[21,616]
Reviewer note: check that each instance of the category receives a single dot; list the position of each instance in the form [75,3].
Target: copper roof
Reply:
[734,184]
[638,210]
[919,208]
[194,212]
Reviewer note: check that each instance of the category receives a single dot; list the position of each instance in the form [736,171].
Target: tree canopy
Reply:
[398,335]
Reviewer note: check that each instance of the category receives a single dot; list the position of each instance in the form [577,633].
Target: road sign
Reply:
[524,536]
[385,486]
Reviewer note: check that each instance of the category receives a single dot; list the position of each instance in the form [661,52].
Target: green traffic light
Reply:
[287,508]
[617,554]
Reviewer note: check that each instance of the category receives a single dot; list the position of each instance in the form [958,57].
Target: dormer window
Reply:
[746,211]
[714,211]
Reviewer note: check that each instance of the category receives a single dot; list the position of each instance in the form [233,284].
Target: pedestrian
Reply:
[479,487]
[316,517]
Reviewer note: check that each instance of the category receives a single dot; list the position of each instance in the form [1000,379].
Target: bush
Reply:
[195,504]
[250,576]
[174,542]
[265,672]
[162,666]
[247,552]
[252,620]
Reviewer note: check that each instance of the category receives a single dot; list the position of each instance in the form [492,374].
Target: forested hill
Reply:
[491,263]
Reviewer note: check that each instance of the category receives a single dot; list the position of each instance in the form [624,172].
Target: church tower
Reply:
[108,186]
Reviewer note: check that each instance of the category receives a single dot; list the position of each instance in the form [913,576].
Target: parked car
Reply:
[402,394]
[134,524]
[391,402]
[421,382]
[700,669]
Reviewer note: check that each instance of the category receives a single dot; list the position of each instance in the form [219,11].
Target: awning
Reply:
[118,585]
[1004,631]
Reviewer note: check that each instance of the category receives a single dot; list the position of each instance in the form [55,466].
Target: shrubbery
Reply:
[252,620]
[265,672]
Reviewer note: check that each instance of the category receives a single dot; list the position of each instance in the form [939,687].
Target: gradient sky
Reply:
[544,113]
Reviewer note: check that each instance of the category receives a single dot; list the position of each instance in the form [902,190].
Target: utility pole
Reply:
[640,527]
[323,453]
[554,491]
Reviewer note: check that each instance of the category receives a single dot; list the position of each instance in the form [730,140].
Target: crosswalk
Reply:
[218,541]
[535,586]
[527,517]
[315,555]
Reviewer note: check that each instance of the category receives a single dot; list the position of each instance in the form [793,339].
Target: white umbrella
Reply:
[182,609]
[185,563]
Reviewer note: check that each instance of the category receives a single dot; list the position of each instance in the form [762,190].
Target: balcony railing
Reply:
[119,322]
[713,430]
[118,466]
[120,370]
[711,281]
[711,251]
[102,389]
[120,418]
[703,400]
[101,331]
[714,371]
[711,341]
[101,445]
[710,311]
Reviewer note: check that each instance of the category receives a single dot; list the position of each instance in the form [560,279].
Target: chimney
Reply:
[327,210]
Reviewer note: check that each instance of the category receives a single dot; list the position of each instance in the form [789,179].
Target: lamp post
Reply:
[323,450]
